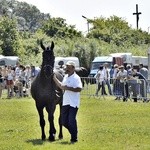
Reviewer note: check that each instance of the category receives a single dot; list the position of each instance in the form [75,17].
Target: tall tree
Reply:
[30,14]
[9,37]
[57,27]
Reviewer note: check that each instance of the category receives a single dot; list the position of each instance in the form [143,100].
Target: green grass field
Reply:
[104,124]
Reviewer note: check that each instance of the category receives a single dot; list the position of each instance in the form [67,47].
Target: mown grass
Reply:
[104,124]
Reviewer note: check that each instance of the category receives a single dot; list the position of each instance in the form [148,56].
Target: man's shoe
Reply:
[135,99]
[73,141]
[116,98]
[124,99]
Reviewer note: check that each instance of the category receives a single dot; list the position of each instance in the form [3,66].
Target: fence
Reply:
[134,89]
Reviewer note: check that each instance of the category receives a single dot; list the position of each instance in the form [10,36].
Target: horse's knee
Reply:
[50,118]
[42,122]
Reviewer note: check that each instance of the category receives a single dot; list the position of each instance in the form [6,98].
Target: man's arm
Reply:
[58,83]
[65,87]
[72,89]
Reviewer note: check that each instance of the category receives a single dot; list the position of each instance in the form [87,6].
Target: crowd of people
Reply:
[120,81]
[17,79]
[123,81]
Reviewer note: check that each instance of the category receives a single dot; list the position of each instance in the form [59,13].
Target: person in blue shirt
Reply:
[34,72]
[111,72]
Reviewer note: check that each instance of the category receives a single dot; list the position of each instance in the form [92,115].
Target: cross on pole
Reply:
[137,16]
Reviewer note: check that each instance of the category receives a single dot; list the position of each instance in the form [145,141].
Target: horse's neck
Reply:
[43,77]
[42,74]
[42,71]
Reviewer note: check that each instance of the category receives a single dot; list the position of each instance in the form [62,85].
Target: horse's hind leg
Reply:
[42,122]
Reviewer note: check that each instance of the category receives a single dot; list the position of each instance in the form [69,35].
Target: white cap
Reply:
[70,63]
[115,65]
[129,65]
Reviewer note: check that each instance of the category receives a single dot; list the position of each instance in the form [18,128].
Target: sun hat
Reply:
[121,66]
[70,63]
[129,65]
[115,65]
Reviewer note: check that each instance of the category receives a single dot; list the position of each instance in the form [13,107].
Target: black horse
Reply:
[83,73]
[45,92]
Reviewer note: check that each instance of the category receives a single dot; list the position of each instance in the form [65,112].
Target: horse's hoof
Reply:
[60,137]
[43,137]
[52,138]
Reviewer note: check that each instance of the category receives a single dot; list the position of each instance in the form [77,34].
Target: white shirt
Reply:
[106,73]
[122,75]
[100,76]
[10,75]
[72,98]
[17,72]
[115,73]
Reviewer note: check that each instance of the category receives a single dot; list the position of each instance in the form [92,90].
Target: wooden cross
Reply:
[137,16]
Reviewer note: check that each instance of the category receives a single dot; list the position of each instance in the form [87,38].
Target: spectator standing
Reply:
[107,77]
[116,83]
[5,68]
[100,81]
[10,76]
[122,76]
[143,71]
[17,70]
[129,69]
[22,75]
[34,72]
[143,85]
[111,72]
[28,76]
[1,82]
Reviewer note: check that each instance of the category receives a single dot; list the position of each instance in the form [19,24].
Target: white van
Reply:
[136,60]
[100,61]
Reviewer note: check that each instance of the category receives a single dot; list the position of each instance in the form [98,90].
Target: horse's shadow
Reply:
[35,141]
[65,143]
[41,142]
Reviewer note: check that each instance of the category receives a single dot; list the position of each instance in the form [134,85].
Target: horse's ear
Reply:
[52,45]
[41,43]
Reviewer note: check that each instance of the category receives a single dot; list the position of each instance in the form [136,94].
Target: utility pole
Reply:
[88,29]
[137,16]
[148,29]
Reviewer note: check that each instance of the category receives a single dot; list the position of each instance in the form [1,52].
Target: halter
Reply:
[51,71]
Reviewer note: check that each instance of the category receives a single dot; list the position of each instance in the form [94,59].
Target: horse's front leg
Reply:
[52,130]
[60,123]
[42,122]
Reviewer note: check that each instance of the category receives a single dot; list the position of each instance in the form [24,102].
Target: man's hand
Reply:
[64,87]
[54,76]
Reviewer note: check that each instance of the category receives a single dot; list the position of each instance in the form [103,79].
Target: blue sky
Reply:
[72,10]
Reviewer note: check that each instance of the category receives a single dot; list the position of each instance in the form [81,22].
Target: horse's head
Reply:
[48,59]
